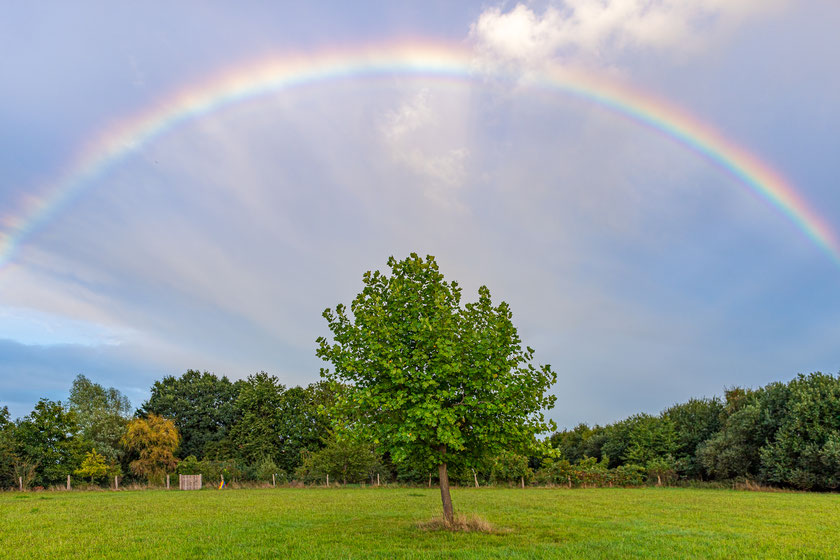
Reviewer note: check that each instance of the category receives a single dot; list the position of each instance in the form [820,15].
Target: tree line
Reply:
[782,434]
[420,387]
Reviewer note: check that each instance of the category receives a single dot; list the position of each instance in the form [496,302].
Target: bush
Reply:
[510,468]
[343,460]
[629,475]
[556,471]
[264,470]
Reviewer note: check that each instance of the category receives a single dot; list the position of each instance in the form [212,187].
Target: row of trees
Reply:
[57,439]
[95,434]
[421,386]
[783,434]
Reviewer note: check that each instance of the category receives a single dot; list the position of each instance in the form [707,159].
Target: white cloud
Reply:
[416,137]
[601,29]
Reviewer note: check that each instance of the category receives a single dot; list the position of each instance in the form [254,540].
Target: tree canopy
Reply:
[102,415]
[202,406]
[49,438]
[430,379]
[155,440]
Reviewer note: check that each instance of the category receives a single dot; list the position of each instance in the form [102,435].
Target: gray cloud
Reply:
[641,273]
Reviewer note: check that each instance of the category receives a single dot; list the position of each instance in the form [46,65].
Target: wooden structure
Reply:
[189,481]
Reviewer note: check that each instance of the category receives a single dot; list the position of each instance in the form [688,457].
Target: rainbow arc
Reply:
[437,61]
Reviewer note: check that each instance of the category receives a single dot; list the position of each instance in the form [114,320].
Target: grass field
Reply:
[382,523]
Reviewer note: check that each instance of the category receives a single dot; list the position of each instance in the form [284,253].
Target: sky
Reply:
[189,185]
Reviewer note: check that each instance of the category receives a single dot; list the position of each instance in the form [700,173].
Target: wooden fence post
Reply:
[167,482]
[522,481]
[328,480]
[475,477]
[377,479]
[430,480]
[273,481]
[68,482]
[20,480]
[116,483]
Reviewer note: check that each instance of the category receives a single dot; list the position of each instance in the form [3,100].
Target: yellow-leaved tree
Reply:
[155,440]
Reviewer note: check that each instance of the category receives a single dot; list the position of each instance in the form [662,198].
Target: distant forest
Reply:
[782,434]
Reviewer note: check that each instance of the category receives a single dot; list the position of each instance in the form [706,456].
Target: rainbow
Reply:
[440,61]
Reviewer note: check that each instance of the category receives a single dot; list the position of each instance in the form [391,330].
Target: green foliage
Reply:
[24,471]
[556,471]
[629,475]
[805,450]
[589,473]
[189,465]
[649,438]
[510,468]
[302,423]
[203,408]
[344,459]
[694,422]
[430,378]
[211,471]
[7,450]
[94,466]
[578,443]
[49,438]
[663,469]
[267,467]
[258,432]
[638,439]
[102,415]
[734,451]
[418,472]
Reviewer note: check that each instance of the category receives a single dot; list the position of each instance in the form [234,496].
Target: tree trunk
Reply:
[658,480]
[448,514]
[475,477]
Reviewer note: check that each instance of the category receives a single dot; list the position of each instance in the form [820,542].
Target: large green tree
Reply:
[430,379]
[805,450]
[649,438]
[203,408]
[49,437]
[302,425]
[102,415]
[578,443]
[258,432]
[694,422]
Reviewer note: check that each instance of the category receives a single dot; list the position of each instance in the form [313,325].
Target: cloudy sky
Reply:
[644,271]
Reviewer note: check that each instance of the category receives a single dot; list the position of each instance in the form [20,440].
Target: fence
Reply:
[189,481]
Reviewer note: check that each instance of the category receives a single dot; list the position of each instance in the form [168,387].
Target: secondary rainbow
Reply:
[437,61]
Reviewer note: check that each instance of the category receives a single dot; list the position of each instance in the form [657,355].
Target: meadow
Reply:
[383,523]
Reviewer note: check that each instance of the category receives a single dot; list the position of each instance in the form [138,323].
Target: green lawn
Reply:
[382,523]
